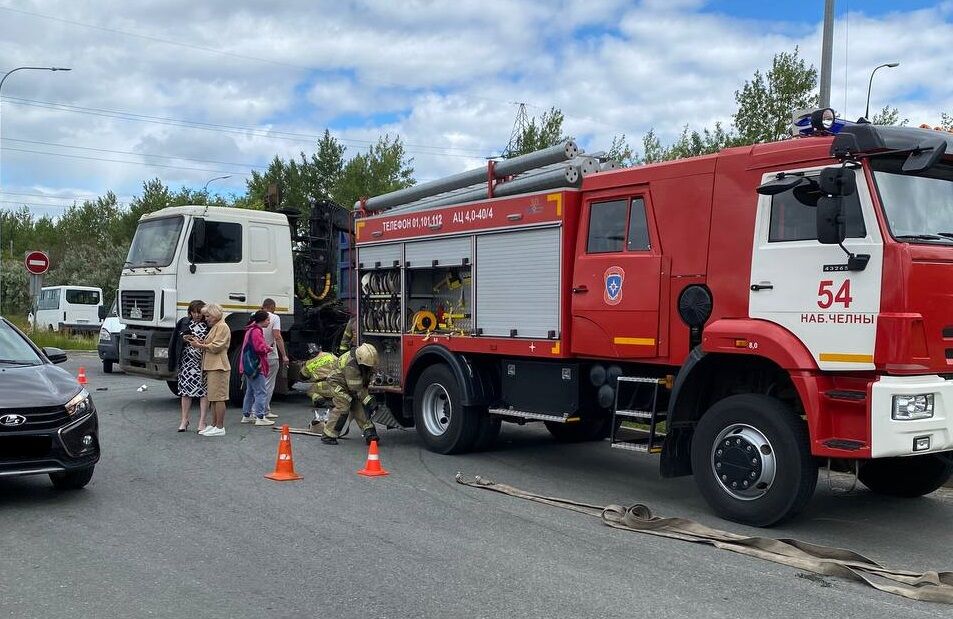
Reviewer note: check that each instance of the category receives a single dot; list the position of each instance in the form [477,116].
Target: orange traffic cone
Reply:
[372,468]
[81,377]
[284,465]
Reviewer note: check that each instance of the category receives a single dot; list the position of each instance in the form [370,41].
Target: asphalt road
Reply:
[177,525]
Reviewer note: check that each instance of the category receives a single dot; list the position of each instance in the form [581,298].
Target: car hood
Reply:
[35,386]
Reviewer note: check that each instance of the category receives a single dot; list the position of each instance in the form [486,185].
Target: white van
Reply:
[69,308]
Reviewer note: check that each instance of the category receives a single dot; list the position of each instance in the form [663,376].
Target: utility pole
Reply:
[827,45]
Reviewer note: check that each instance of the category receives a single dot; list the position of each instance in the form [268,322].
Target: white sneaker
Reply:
[262,421]
[271,415]
[207,428]
[215,432]
[248,418]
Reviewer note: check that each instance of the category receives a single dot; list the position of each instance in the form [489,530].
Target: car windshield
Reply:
[919,207]
[14,349]
[154,243]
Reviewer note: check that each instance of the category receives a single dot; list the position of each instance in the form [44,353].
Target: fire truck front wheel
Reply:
[444,424]
[908,477]
[752,461]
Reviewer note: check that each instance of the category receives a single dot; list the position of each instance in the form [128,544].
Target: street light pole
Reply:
[217,178]
[870,83]
[2,80]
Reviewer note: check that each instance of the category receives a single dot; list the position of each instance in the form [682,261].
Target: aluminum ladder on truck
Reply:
[645,403]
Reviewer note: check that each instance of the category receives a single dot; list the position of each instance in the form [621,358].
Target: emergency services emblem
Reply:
[614,277]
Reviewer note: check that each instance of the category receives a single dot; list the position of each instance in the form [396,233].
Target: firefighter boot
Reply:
[328,440]
[370,434]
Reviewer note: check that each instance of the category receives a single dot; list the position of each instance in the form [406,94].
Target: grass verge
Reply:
[54,339]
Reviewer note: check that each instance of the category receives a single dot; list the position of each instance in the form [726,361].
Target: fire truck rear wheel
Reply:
[909,477]
[173,386]
[590,428]
[752,461]
[443,423]
[236,394]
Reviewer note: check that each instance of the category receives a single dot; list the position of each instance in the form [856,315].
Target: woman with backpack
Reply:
[253,366]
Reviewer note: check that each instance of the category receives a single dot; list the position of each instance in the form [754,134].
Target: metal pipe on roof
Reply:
[507,167]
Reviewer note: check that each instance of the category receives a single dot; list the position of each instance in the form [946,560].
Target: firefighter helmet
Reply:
[366,355]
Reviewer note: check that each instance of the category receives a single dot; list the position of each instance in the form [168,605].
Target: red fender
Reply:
[760,338]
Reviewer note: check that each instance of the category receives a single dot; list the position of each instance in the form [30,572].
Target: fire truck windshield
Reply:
[154,243]
[919,207]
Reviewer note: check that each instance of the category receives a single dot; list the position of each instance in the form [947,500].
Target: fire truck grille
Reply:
[137,304]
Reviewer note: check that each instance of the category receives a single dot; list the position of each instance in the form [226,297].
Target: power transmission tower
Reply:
[519,128]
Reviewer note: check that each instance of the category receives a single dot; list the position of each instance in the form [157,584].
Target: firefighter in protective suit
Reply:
[346,387]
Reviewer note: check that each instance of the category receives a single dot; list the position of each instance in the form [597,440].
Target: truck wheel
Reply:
[72,480]
[108,367]
[236,392]
[173,387]
[589,428]
[752,461]
[908,477]
[443,423]
[488,432]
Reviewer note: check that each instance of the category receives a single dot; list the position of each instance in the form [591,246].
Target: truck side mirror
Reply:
[830,221]
[838,181]
[781,184]
[103,312]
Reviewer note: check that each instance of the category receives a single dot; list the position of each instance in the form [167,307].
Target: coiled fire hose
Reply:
[824,560]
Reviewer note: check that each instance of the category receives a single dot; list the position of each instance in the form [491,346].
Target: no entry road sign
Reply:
[37,262]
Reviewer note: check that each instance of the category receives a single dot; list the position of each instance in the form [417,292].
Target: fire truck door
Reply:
[615,284]
[805,286]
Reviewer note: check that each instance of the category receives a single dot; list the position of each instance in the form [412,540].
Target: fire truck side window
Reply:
[607,222]
[223,244]
[794,215]
[638,227]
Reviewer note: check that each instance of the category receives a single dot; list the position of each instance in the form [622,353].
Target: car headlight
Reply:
[104,335]
[910,407]
[161,353]
[80,404]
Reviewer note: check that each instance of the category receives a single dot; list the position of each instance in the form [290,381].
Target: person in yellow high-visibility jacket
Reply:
[345,384]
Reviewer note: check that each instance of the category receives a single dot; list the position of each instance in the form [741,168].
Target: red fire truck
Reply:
[748,315]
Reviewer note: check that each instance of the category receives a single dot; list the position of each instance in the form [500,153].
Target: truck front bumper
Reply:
[893,437]
[145,352]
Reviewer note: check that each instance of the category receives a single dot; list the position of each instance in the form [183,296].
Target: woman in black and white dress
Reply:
[191,382]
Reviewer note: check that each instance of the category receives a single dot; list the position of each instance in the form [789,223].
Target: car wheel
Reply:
[72,480]
[108,367]
[590,428]
[752,461]
[909,477]
[489,430]
[173,386]
[444,424]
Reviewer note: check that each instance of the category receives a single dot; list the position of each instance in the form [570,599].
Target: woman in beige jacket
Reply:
[216,366]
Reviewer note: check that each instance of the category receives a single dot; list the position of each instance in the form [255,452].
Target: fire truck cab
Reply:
[747,315]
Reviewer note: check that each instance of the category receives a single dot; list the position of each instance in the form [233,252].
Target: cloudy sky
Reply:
[187,91]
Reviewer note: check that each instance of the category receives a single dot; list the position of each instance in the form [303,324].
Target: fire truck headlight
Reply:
[910,407]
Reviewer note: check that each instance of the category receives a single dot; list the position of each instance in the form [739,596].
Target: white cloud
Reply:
[442,75]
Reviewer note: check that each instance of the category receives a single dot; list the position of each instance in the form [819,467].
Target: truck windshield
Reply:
[154,243]
[919,207]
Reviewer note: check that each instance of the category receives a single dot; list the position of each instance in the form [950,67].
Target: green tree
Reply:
[889,116]
[766,102]
[539,133]
[384,168]
[619,150]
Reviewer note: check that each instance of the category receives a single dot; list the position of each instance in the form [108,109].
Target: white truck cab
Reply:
[233,257]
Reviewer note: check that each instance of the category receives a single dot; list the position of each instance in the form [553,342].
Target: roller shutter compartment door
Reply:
[379,256]
[446,252]
[517,279]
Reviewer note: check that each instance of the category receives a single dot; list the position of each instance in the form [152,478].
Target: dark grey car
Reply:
[48,423]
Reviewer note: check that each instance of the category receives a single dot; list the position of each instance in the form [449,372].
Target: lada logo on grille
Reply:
[12,420]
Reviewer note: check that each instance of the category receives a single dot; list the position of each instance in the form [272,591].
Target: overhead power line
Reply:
[129,152]
[139,163]
[420,149]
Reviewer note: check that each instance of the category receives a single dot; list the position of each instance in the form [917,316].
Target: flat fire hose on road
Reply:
[825,560]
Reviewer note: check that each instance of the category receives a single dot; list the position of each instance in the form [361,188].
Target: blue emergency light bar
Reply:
[822,121]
